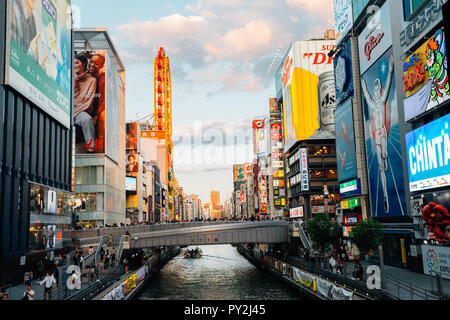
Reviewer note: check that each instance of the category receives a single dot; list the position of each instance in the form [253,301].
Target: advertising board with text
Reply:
[343,73]
[130,183]
[436,260]
[259,137]
[308,90]
[376,37]
[90,100]
[345,141]
[304,169]
[343,18]
[38,63]
[425,77]
[239,172]
[296,213]
[428,152]
[382,132]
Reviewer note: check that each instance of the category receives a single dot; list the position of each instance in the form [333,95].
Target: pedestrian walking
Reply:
[28,294]
[2,293]
[332,263]
[358,274]
[340,267]
[125,264]
[40,270]
[48,283]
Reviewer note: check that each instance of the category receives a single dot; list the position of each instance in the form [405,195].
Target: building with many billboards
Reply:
[305,83]
[401,103]
[99,119]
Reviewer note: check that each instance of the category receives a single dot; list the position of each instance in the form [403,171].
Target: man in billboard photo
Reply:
[23,26]
[84,95]
[132,164]
[377,104]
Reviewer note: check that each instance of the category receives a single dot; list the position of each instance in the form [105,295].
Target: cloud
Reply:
[320,9]
[245,43]
[224,42]
[200,169]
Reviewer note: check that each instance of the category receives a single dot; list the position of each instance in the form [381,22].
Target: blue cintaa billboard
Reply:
[382,131]
[345,141]
[428,150]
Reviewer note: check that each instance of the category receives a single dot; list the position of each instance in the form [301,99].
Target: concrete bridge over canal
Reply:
[188,234]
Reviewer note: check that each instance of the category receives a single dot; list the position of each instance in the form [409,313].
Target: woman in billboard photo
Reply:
[84,95]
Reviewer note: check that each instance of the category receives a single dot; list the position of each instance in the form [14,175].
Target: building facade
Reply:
[36,131]
[99,118]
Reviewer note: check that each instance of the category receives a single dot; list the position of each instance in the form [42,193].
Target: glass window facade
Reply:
[325,150]
[358,7]
[410,6]
[51,213]
[85,202]
[91,175]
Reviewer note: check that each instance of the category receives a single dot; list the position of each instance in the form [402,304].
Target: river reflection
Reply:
[220,274]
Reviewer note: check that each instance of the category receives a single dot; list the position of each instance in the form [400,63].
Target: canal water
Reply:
[220,274]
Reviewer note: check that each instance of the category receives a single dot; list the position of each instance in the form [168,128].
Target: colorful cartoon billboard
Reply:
[308,90]
[428,152]
[38,62]
[90,101]
[345,141]
[382,132]
[425,77]
[239,172]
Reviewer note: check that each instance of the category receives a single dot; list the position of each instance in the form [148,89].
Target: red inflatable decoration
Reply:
[436,219]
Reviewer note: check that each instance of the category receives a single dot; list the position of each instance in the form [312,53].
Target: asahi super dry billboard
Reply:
[308,90]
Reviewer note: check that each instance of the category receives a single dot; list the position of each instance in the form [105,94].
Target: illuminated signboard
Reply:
[130,183]
[375,39]
[278,174]
[277,164]
[239,172]
[424,77]
[350,204]
[308,90]
[343,18]
[428,152]
[248,169]
[304,169]
[429,16]
[296,213]
[277,155]
[351,188]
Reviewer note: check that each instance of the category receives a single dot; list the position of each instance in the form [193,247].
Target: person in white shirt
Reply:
[29,294]
[48,282]
[332,263]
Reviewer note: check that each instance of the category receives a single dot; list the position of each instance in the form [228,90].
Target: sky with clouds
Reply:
[221,52]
